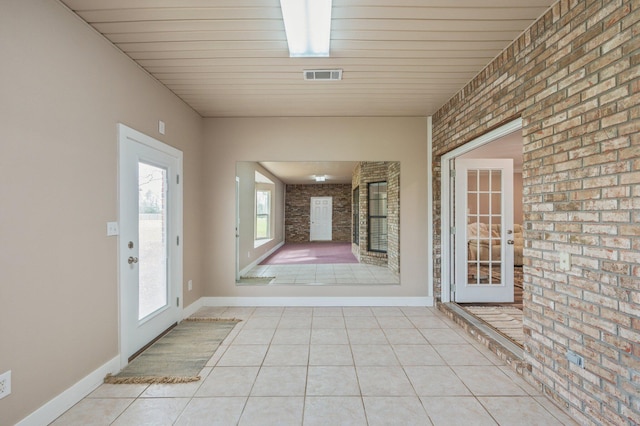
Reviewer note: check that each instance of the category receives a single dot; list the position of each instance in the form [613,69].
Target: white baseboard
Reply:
[192,308]
[67,399]
[260,259]
[317,301]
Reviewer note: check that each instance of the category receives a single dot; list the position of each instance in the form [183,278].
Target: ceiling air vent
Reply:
[323,75]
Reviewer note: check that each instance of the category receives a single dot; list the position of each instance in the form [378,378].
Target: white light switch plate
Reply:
[112,229]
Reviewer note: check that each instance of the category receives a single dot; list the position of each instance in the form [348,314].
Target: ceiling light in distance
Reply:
[308,27]
[320,178]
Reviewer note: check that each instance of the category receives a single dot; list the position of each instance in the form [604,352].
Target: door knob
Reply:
[132,260]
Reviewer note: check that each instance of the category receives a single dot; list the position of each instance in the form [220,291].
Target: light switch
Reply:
[112,229]
[161,127]
[565,261]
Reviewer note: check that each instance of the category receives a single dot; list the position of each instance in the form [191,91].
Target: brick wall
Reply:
[574,78]
[297,210]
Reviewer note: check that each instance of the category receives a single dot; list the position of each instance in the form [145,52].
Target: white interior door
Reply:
[321,218]
[150,251]
[484,230]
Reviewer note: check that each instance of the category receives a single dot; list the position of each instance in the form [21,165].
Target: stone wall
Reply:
[297,210]
[574,79]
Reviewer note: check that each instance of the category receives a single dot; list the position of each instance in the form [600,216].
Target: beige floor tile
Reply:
[297,311]
[280,381]
[517,410]
[456,410]
[428,322]
[357,311]
[217,411]
[332,381]
[520,381]
[367,336]
[405,336]
[281,411]
[268,311]
[330,355]
[327,311]
[394,322]
[555,411]
[328,322]
[291,336]
[417,311]
[436,381]
[287,355]
[152,411]
[437,336]
[249,336]
[384,381]
[387,311]
[303,322]
[176,390]
[243,355]
[106,390]
[323,411]
[373,355]
[94,411]
[417,355]
[462,355]
[329,336]
[399,411]
[487,380]
[361,322]
[258,322]
[228,381]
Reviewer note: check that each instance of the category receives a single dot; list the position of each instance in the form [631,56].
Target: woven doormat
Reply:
[179,356]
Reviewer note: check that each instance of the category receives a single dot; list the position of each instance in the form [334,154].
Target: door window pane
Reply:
[152,238]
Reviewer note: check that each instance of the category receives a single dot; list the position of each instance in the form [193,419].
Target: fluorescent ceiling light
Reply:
[308,26]
[321,178]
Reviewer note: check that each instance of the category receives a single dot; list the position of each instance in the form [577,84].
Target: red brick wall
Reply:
[574,78]
[297,211]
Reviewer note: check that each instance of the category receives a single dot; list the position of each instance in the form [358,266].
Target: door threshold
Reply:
[508,351]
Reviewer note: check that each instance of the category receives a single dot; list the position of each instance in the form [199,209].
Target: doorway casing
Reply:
[446,202]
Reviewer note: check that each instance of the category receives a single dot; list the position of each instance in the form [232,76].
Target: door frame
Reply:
[125,134]
[446,199]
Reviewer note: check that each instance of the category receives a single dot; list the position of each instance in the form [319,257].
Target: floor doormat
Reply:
[179,355]
[315,253]
[506,320]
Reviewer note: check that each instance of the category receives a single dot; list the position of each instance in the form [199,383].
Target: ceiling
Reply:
[303,172]
[229,58]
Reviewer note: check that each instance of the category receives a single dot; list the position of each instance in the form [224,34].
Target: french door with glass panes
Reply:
[484,230]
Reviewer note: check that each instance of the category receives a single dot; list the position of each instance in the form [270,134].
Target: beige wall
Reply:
[317,139]
[63,89]
[246,172]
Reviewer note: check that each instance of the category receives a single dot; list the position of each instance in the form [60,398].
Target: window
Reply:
[263,214]
[356,216]
[378,217]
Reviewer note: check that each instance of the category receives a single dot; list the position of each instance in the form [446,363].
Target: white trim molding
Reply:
[261,258]
[317,301]
[67,399]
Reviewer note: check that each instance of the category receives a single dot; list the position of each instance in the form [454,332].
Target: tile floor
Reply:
[333,366]
[327,274]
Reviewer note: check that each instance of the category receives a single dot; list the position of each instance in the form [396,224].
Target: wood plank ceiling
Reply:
[229,58]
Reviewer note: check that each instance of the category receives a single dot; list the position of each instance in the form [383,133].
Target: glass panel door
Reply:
[152,228]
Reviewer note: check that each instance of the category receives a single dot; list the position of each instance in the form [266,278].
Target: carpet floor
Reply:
[177,357]
[311,254]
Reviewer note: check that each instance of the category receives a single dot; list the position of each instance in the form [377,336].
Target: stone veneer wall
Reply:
[574,78]
[297,211]
[393,216]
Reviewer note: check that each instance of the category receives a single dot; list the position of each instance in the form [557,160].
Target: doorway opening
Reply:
[482,240]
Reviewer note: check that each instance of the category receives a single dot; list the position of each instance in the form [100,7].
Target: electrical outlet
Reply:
[5,384]
[576,359]
[565,261]
[190,285]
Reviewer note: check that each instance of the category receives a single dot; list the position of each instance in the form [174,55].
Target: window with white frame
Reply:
[263,214]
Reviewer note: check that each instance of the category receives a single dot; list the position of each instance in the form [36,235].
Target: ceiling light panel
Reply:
[308,27]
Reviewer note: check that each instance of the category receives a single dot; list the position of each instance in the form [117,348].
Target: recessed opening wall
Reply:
[573,79]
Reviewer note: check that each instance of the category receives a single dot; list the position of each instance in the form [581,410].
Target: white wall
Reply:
[63,89]
[315,139]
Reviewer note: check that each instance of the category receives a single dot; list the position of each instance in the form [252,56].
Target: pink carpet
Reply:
[311,253]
